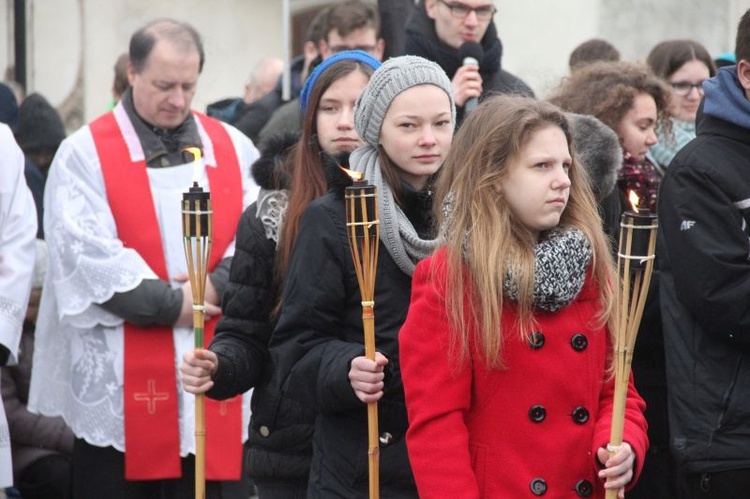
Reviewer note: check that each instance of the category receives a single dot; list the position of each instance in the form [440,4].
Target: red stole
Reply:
[152,433]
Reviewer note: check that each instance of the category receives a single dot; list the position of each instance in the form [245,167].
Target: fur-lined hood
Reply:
[269,170]
[599,151]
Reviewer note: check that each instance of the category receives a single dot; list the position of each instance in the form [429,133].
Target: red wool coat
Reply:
[531,429]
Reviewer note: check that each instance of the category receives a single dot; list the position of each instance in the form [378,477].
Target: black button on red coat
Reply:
[538,487]
[584,488]
[580,415]
[579,342]
[536,340]
[537,413]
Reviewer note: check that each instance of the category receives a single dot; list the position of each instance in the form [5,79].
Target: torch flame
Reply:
[195,151]
[354,175]
[633,198]
[197,163]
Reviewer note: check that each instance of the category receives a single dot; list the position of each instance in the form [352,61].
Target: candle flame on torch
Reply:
[634,199]
[354,175]
[197,162]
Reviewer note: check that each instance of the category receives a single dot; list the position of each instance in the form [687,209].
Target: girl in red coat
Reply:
[505,353]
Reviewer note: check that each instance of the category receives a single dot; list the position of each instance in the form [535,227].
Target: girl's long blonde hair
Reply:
[483,237]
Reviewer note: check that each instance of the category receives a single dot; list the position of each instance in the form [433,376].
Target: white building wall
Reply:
[73,44]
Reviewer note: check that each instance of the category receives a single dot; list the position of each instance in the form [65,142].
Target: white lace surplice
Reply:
[17,250]
[78,361]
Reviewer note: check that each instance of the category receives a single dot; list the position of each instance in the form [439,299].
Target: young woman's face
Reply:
[686,92]
[417,132]
[537,186]
[636,129]
[334,117]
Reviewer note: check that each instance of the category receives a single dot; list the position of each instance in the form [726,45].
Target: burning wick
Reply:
[197,163]
[355,176]
[634,199]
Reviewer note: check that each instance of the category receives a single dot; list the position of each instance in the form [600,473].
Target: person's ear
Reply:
[131,74]
[743,74]
[429,6]
[379,49]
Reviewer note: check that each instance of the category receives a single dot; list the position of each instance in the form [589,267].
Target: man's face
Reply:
[363,38]
[164,89]
[453,29]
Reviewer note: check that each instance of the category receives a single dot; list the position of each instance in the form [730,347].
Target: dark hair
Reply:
[316,30]
[593,50]
[308,179]
[184,35]
[742,42]
[669,56]
[607,91]
[121,83]
[351,15]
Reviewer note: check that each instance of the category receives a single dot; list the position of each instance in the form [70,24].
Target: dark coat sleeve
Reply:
[309,345]
[704,237]
[243,331]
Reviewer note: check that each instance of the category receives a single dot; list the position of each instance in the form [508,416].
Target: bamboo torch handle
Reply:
[373,443]
[618,419]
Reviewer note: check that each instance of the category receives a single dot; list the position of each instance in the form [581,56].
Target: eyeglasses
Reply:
[683,88]
[458,9]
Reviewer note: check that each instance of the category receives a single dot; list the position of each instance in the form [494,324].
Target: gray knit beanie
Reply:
[393,77]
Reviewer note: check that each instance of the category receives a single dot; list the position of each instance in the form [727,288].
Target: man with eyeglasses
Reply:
[437,30]
[702,253]
[350,25]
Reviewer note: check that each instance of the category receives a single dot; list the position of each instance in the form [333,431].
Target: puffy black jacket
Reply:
[703,248]
[280,429]
[320,332]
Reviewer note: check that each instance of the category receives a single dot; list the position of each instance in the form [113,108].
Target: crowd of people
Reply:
[495,294]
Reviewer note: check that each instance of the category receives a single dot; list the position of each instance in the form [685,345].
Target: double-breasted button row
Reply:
[538,413]
[579,342]
[583,488]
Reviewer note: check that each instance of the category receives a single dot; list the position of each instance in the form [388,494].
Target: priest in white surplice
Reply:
[116,310]
[17,250]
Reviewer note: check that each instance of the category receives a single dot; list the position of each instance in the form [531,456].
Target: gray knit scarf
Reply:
[562,259]
[396,231]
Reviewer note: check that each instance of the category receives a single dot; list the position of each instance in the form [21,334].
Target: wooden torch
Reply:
[362,227]
[635,263]
[197,232]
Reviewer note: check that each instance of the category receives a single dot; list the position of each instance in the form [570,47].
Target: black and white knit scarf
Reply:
[561,261]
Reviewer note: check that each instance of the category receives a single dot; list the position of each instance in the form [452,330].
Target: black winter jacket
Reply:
[280,429]
[703,248]
[320,332]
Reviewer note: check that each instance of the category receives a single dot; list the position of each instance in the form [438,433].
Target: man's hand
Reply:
[185,318]
[467,83]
